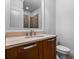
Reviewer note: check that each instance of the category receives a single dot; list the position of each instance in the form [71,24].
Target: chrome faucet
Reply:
[32,33]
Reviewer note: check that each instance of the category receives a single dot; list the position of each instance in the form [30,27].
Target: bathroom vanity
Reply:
[41,47]
[24,16]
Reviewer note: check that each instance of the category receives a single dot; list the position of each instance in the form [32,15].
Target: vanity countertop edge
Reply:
[18,41]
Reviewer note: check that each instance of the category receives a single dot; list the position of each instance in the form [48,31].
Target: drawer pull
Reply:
[30,46]
[51,40]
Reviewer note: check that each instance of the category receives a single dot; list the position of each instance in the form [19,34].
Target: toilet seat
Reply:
[63,49]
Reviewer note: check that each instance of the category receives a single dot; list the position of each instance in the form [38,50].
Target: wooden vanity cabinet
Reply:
[45,49]
[49,48]
[11,53]
[52,48]
[28,51]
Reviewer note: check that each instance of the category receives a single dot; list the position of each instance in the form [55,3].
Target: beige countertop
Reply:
[20,40]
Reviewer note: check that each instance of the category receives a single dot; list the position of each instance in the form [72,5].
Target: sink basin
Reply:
[36,36]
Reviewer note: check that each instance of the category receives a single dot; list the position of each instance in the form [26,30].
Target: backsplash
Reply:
[13,34]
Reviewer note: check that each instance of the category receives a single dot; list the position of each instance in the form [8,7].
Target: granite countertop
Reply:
[20,40]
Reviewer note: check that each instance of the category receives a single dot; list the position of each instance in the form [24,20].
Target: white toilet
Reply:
[63,51]
[57,57]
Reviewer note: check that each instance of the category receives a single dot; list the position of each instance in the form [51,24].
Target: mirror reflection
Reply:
[25,14]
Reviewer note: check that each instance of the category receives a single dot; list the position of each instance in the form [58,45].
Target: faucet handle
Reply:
[31,32]
[26,34]
[34,32]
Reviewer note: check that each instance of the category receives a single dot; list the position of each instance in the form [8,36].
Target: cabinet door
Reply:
[29,51]
[52,48]
[49,49]
[11,53]
[45,49]
[40,50]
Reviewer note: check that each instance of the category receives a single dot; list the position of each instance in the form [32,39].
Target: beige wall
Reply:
[65,23]
[50,16]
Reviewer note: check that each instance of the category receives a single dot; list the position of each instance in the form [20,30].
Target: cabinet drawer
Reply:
[28,51]
[28,46]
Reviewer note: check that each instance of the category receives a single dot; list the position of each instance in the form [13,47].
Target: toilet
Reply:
[57,57]
[62,51]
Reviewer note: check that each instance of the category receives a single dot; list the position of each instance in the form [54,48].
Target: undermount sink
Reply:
[36,36]
[39,36]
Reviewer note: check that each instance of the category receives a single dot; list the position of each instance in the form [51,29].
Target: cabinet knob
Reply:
[51,40]
[28,47]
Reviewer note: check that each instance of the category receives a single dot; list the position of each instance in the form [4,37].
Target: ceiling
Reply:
[32,4]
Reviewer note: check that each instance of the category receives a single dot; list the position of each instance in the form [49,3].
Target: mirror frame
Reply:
[28,29]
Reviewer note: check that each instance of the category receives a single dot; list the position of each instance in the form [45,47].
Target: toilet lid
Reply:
[63,48]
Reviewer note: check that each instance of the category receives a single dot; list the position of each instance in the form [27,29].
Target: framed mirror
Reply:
[24,15]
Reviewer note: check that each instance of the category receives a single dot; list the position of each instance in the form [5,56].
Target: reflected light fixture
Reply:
[27,7]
